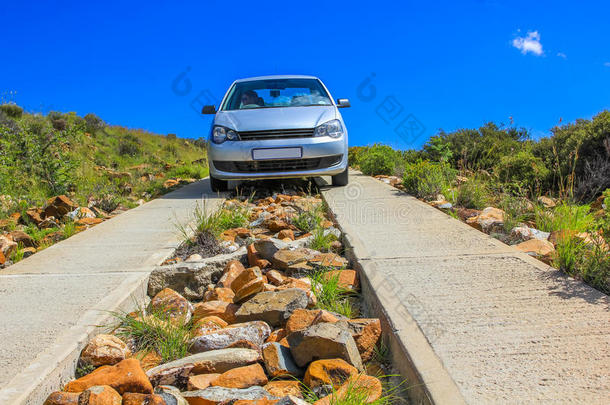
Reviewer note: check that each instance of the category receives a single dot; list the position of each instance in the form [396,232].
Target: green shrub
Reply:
[524,168]
[11,110]
[378,159]
[425,179]
[473,193]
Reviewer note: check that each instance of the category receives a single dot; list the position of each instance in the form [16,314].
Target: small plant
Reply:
[154,332]
[321,241]
[330,295]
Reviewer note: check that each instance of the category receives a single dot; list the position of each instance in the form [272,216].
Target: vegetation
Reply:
[503,167]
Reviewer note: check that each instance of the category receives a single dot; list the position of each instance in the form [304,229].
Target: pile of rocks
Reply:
[257,334]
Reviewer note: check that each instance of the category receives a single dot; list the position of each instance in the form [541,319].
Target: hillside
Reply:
[102,169]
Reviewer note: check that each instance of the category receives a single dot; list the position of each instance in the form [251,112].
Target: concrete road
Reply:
[478,321]
[51,302]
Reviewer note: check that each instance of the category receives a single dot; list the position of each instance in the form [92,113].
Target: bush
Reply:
[379,159]
[11,110]
[425,179]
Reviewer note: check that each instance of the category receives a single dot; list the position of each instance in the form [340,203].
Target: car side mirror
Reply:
[343,103]
[209,109]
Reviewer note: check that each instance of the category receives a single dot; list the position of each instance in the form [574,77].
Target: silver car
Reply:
[277,127]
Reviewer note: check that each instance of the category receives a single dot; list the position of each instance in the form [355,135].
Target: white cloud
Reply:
[562,55]
[529,43]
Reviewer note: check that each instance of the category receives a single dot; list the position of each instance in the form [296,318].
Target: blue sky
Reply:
[429,65]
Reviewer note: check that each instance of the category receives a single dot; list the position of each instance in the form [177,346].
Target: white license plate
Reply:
[276,153]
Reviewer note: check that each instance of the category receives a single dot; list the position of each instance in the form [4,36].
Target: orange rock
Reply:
[88,221]
[207,324]
[219,294]
[347,279]
[303,318]
[360,385]
[201,381]
[276,335]
[233,269]
[104,350]
[223,310]
[173,305]
[251,273]
[283,388]
[328,372]
[62,398]
[366,332]
[100,395]
[242,377]
[126,376]
[286,233]
[134,398]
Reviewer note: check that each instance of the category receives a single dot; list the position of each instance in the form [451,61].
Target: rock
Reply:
[324,341]
[242,377]
[273,307]
[126,376]
[346,279]
[281,388]
[171,395]
[207,324]
[546,201]
[329,260]
[133,398]
[22,238]
[285,234]
[219,294]
[536,247]
[224,310]
[232,270]
[216,361]
[58,207]
[104,350]
[291,400]
[304,318]
[266,248]
[366,333]
[255,332]
[99,395]
[191,279]
[524,233]
[173,305]
[278,361]
[369,387]
[201,381]
[333,372]
[488,220]
[275,277]
[62,398]
[218,395]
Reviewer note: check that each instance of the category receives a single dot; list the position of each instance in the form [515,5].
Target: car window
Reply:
[276,93]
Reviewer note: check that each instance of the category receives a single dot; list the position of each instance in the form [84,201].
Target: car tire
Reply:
[340,179]
[218,185]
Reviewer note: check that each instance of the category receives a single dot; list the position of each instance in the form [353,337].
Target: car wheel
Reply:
[218,185]
[340,179]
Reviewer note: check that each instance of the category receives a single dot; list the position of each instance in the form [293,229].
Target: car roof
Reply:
[247,79]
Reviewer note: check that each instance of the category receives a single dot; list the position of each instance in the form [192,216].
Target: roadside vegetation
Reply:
[555,190]
[105,169]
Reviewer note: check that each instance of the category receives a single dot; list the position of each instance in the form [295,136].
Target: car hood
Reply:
[258,119]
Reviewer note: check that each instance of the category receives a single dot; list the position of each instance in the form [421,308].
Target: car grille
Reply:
[283,165]
[276,134]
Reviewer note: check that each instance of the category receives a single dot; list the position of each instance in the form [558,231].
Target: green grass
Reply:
[154,332]
[330,295]
[564,217]
[320,241]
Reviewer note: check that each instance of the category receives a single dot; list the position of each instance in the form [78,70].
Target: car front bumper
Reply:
[321,156]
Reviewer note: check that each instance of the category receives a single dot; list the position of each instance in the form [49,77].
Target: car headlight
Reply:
[333,128]
[221,134]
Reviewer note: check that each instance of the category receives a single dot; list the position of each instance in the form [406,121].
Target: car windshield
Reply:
[276,93]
